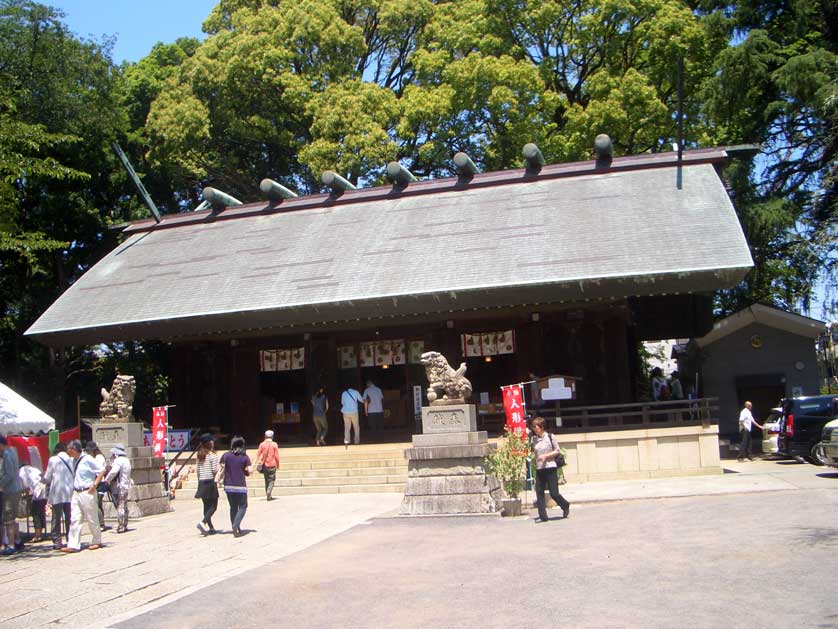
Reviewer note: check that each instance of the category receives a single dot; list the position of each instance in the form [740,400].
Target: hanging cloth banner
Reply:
[159,428]
[513,404]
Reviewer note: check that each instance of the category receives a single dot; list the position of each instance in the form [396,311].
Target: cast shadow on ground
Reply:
[820,536]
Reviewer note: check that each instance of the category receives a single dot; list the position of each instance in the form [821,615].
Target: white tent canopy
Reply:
[19,416]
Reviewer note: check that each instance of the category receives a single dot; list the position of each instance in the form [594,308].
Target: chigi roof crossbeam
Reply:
[569,232]
[406,184]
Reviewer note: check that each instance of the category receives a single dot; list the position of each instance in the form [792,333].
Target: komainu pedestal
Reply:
[147,495]
[445,473]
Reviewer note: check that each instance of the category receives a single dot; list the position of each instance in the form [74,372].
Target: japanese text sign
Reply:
[178,439]
[513,404]
[159,428]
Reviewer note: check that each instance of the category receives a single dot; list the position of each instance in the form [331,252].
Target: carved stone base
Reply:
[147,495]
[449,418]
[445,473]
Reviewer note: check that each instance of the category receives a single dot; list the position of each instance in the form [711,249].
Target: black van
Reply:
[802,425]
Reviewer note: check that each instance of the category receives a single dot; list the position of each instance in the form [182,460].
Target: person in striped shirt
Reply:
[207,490]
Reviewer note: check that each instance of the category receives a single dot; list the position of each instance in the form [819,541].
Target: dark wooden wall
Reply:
[218,384]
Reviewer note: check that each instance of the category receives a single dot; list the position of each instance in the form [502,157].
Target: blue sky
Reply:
[137,24]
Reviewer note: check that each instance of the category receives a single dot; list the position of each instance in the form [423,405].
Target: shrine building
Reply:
[550,269]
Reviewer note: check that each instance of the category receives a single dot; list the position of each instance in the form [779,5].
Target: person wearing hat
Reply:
[267,461]
[87,474]
[207,489]
[119,478]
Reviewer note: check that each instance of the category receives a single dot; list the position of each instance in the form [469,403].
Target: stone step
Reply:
[331,464]
[337,481]
[343,471]
[339,452]
[259,492]
[340,472]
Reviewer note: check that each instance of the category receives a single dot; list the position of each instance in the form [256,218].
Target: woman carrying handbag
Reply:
[207,489]
[547,453]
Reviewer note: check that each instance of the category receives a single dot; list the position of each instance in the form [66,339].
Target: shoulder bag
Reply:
[560,461]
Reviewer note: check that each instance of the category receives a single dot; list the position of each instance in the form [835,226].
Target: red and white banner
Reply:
[513,404]
[35,450]
[159,428]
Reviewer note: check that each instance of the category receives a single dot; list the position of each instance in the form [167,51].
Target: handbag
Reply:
[559,460]
[260,468]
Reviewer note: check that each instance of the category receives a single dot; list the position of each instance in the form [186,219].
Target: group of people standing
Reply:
[72,487]
[351,402]
[663,389]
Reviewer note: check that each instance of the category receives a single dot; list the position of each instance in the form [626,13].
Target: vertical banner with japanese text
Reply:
[513,404]
[159,428]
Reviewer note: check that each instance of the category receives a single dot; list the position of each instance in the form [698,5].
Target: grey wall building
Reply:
[760,354]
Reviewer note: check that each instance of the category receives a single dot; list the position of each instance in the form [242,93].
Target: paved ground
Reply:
[755,560]
[164,556]
[409,570]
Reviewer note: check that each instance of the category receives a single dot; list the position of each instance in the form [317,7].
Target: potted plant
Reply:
[509,464]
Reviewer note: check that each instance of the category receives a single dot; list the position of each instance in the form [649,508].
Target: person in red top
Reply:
[268,458]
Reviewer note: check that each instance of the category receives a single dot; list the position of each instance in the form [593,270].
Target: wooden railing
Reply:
[702,411]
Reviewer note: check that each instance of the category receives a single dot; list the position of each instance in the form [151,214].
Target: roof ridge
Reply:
[430,186]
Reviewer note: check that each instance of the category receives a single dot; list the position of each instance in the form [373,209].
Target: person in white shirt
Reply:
[103,489]
[30,479]
[745,421]
[349,401]
[119,478]
[87,474]
[374,406]
[59,478]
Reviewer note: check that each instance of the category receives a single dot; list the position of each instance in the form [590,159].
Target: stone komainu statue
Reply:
[118,403]
[445,385]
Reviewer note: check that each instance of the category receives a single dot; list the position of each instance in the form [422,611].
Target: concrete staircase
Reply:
[365,468]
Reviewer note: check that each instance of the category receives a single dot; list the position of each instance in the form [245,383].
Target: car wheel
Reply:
[816,456]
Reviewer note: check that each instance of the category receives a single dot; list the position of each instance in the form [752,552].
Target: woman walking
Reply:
[319,408]
[207,490]
[547,472]
[235,468]
[267,461]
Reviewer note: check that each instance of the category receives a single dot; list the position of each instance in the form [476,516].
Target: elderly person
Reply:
[10,488]
[374,406]
[546,451]
[207,490]
[234,470]
[86,476]
[267,456]
[59,478]
[119,479]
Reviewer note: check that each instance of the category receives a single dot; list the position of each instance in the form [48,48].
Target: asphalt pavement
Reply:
[761,558]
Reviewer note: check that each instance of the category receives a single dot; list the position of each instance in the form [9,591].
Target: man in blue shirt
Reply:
[10,488]
[87,475]
[349,401]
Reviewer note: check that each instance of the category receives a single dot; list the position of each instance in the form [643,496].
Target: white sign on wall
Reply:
[556,390]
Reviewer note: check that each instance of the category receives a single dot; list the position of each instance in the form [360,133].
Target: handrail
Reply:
[702,411]
[194,439]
